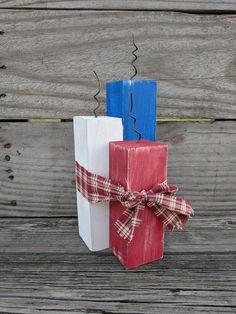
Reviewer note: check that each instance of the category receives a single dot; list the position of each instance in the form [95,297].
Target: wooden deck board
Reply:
[177,5]
[48,58]
[45,267]
[53,235]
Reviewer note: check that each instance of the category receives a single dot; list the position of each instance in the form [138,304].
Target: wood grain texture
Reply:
[60,235]
[177,5]
[88,261]
[45,267]
[47,58]
[81,287]
[37,167]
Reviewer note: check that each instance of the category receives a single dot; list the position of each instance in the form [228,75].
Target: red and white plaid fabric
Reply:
[173,211]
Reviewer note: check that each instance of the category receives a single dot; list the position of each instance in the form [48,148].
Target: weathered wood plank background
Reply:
[47,58]
[176,5]
[63,283]
[37,160]
[48,50]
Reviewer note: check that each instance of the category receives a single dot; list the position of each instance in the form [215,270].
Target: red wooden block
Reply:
[138,166]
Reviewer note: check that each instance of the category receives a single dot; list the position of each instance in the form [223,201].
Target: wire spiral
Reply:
[95,96]
[134,59]
[133,117]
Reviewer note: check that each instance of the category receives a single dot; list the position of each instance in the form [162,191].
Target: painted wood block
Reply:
[144,106]
[137,166]
[91,141]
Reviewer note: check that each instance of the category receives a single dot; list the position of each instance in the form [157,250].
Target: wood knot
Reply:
[13,203]
[3,67]
[7,145]
[2,32]
[3,95]
[7,158]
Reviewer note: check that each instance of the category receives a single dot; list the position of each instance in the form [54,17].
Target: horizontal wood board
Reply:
[47,58]
[181,5]
[60,235]
[51,291]
[45,267]
[37,167]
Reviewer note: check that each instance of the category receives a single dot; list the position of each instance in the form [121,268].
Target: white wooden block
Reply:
[91,137]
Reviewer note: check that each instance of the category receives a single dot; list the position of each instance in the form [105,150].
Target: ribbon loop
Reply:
[174,212]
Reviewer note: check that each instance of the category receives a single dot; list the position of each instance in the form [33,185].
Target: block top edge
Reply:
[138,144]
[96,118]
[130,82]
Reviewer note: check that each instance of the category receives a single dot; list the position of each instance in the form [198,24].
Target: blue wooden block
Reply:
[144,106]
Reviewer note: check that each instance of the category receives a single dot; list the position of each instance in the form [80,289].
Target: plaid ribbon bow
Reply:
[173,211]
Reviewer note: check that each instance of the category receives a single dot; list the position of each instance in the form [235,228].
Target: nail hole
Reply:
[7,157]
[11,177]
[3,95]
[2,32]
[7,145]
[9,170]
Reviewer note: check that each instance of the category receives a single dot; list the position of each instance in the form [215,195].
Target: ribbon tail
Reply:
[129,221]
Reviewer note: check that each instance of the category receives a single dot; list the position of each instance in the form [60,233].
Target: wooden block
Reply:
[91,139]
[138,166]
[144,106]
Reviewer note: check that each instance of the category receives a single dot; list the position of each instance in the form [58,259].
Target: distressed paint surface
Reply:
[144,95]
[137,166]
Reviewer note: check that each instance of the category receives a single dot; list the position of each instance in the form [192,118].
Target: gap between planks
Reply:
[53,120]
[190,11]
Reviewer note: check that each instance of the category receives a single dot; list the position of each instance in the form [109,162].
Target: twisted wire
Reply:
[133,117]
[134,59]
[95,96]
